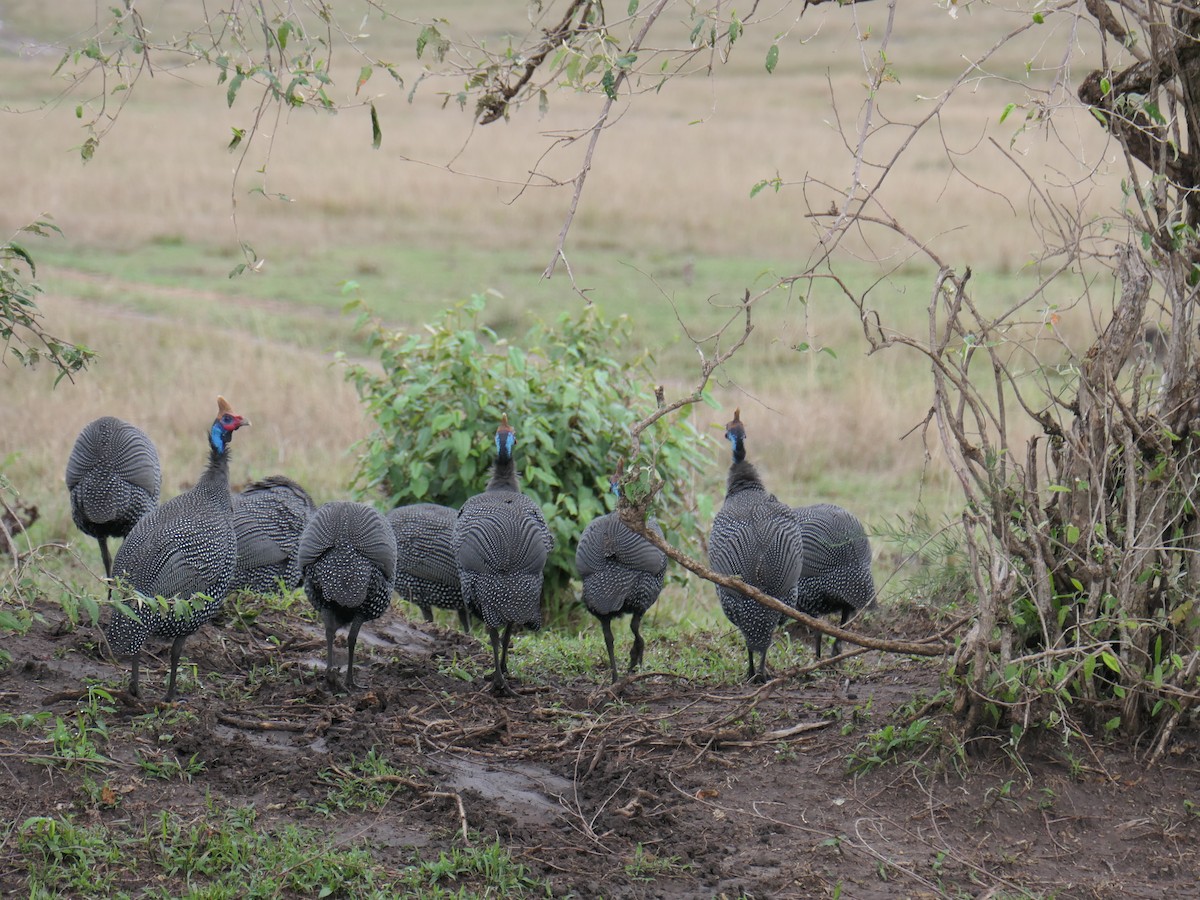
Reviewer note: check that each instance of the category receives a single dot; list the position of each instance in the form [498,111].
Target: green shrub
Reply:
[572,402]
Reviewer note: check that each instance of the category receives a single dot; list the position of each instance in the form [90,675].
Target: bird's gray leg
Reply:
[608,643]
[504,648]
[134,690]
[499,684]
[464,618]
[176,651]
[837,644]
[351,640]
[639,645]
[330,633]
[761,676]
[750,671]
[106,556]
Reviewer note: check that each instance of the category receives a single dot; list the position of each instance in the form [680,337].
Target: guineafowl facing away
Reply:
[426,573]
[347,564]
[836,575]
[185,550]
[622,573]
[756,538]
[501,542]
[114,478]
[268,517]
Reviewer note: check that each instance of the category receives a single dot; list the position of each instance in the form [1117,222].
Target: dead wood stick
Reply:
[259,724]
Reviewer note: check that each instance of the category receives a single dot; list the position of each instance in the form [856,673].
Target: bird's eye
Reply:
[226,419]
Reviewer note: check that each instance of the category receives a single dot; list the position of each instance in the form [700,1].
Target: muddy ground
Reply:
[729,791]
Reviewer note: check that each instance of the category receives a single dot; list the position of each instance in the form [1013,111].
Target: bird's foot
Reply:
[501,688]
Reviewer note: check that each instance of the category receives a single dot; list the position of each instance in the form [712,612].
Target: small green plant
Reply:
[68,859]
[648,866]
[443,390]
[77,740]
[462,668]
[833,843]
[171,768]
[891,743]
[488,864]
[367,783]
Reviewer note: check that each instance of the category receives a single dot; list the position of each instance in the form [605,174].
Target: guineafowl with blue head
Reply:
[268,518]
[836,575]
[184,550]
[756,538]
[426,573]
[347,564]
[114,478]
[501,543]
[622,573]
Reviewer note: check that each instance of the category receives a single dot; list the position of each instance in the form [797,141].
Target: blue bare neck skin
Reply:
[504,445]
[742,474]
[738,441]
[218,438]
[504,473]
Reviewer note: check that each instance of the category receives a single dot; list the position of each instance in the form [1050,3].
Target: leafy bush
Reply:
[443,390]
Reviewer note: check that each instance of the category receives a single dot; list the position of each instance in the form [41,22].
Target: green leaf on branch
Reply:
[376,132]
[234,83]
[772,58]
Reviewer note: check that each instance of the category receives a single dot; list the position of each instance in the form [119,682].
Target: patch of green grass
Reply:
[367,783]
[66,859]
[557,655]
[77,742]
[720,656]
[894,743]
[461,868]
[233,853]
[463,668]
[645,865]
[169,767]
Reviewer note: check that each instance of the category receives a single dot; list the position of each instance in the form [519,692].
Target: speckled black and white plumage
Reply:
[754,537]
[268,517]
[501,542]
[426,573]
[184,548]
[622,573]
[347,564]
[113,477]
[836,576]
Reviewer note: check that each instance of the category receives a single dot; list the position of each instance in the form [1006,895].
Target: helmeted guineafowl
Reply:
[836,575]
[501,542]
[177,551]
[114,478]
[268,517]
[426,573]
[622,573]
[347,564]
[756,538]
